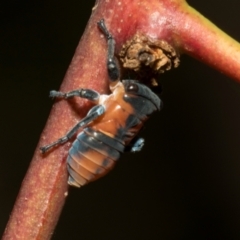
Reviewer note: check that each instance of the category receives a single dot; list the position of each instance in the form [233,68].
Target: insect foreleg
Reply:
[83,93]
[112,67]
[94,113]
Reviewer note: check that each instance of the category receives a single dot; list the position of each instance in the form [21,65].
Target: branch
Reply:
[44,188]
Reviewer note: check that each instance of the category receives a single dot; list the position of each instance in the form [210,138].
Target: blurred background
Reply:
[185,184]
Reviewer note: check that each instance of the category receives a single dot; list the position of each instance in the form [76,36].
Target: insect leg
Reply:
[113,70]
[83,93]
[137,145]
[94,113]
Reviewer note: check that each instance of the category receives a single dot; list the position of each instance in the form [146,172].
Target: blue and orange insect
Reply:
[110,127]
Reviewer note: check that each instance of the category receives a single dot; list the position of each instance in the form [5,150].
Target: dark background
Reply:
[185,184]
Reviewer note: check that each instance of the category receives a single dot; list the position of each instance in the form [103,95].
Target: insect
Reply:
[110,127]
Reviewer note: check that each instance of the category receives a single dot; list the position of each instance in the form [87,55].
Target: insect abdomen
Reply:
[91,156]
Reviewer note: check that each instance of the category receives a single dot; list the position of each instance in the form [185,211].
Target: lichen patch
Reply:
[148,56]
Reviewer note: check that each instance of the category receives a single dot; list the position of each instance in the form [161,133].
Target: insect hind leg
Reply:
[94,113]
[137,145]
[56,143]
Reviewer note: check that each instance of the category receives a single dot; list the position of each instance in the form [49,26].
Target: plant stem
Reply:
[206,42]
[44,188]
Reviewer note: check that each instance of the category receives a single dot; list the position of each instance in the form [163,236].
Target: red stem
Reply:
[203,40]
[44,188]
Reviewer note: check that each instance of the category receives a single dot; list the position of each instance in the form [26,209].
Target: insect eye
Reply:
[132,88]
